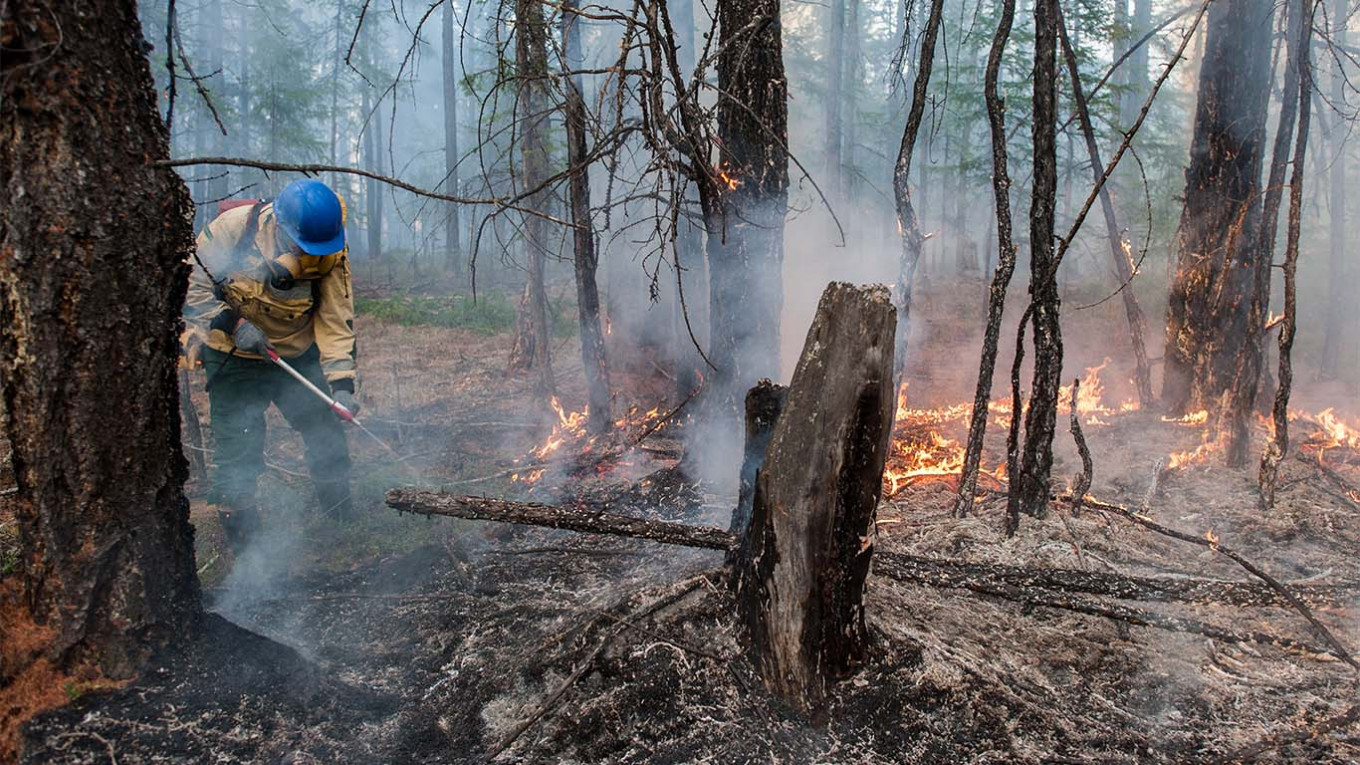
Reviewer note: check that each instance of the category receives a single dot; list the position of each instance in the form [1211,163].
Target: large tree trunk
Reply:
[1029,488]
[583,235]
[1211,294]
[90,296]
[803,565]
[453,250]
[746,231]
[532,351]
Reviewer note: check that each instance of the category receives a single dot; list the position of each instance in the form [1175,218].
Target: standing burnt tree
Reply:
[746,226]
[453,250]
[531,351]
[1029,488]
[908,224]
[586,258]
[90,296]
[1206,327]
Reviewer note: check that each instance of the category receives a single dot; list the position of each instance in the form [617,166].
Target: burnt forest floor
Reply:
[406,639]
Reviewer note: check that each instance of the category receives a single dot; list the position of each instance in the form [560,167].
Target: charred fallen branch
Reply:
[942,572]
[1335,646]
[1119,612]
[583,519]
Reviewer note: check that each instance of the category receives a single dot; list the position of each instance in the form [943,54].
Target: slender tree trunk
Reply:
[532,350]
[1211,294]
[1238,416]
[850,95]
[219,186]
[1279,444]
[835,92]
[1119,252]
[89,337]
[746,236]
[691,273]
[453,250]
[375,197]
[907,224]
[1335,333]
[335,89]
[1029,488]
[996,298]
[583,235]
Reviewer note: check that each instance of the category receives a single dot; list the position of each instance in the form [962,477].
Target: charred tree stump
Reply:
[800,587]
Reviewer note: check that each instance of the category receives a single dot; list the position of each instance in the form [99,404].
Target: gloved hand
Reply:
[250,338]
[347,400]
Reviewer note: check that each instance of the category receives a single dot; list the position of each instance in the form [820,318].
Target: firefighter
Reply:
[275,275]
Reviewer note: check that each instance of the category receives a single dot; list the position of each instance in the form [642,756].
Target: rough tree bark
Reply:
[532,350]
[1029,487]
[89,334]
[801,584]
[1334,333]
[453,249]
[583,234]
[1279,444]
[908,226]
[1119,253]
[1210,295]
[746,236]
[1237,417]
[996,298]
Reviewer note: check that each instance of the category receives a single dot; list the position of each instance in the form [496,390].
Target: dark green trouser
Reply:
[239,392]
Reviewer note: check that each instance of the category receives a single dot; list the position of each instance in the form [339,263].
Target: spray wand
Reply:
[335,406]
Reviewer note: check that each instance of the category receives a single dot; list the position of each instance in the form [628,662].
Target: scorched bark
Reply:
[90,293]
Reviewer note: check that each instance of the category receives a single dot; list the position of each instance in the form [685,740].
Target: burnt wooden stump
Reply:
[802,566]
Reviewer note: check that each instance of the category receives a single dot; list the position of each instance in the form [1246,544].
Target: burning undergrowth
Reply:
[553,646]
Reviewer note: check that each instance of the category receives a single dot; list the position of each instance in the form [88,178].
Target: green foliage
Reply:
[489,314]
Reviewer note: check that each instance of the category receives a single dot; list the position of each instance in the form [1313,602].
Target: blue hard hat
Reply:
[310,213]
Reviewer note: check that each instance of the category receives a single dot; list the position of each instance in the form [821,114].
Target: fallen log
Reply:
[581,518]
[940,572]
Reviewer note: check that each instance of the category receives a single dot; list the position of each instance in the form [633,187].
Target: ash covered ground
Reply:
[406,639]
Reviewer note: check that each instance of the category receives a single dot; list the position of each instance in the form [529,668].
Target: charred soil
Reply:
[404,639]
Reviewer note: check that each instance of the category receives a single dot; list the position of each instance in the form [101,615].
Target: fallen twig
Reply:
[1211,542]
[571,550]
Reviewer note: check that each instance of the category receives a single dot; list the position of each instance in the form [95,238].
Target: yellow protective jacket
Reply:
[296,300]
